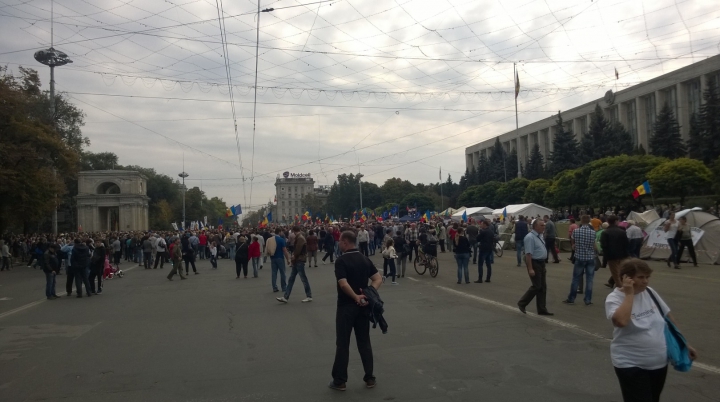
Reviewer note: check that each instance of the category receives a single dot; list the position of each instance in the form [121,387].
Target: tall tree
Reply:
[481,174]
[705,137]
[394,189]
[665,139]
[535,191]
[536,165]
[511,165]
[344,197]
[496,161]
[605,138]
[566,150]
[511,192]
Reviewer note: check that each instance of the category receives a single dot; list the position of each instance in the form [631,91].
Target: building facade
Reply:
[112,200]
[290,188]
[635,107]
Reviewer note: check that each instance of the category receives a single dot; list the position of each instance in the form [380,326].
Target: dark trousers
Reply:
[413,246]
[5,264]
[241,266]
[347,318]
[96,273]
[691,250]
[49,284]
[81,278]
[550,246]
[364,248]
[486,259]
[442,245]
[328,254]
[147,259]
[189,260]
[640,385]
[161,258]
[538,289]
[70,280]
[389,263]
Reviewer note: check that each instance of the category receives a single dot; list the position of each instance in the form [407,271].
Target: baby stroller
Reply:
[109,272]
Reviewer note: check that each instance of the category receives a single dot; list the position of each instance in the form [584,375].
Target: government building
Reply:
[290,188]
[635,107]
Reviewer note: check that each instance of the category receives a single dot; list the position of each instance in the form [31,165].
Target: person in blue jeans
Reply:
[299,257]
[486,244]
[51,267]
[461,251]
[521,230]
[277,261]
[583,242]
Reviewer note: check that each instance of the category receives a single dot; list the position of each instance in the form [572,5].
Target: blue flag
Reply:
[238,209]
[269,216]
[505,213]
[464,216]
[232,209]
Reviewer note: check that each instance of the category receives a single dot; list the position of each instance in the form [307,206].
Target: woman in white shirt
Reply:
[670,227]
[638,349]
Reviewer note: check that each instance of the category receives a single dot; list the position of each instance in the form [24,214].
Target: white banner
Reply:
[658,238]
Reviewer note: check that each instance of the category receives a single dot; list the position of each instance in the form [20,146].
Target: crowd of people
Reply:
[596,240]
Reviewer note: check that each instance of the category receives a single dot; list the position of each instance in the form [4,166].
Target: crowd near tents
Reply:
[705,229]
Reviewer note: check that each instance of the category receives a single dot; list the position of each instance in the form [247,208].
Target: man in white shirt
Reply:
[635,238]
[362,238]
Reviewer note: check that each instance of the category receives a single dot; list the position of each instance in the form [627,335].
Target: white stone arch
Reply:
[108,187]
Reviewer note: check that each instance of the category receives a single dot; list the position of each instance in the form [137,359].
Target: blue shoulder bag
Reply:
[677,350]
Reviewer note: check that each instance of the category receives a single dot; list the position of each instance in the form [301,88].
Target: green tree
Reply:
[681,177]
[496,163]
[99,161]
[535,191]
[511,163]
[480,196]
[568,189]
[566,150]
[705,135]
[716,177]
[511,192]
[35,155]
[422,201]
[394,189]
[605,138]
[344,196]
[611,181]
[666,140]
[536,165]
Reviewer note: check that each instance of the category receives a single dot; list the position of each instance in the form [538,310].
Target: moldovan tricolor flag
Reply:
[517,84]
[642,190]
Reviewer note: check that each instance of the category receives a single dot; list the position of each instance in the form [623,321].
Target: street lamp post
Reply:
[52,58]
[183,175]
[360,176]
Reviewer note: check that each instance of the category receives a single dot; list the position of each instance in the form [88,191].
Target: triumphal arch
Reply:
[112,200]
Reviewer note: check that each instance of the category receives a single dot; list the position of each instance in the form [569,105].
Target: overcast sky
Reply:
[388,88]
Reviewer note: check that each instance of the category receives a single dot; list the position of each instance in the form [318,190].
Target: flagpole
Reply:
[517,128]
[442,205]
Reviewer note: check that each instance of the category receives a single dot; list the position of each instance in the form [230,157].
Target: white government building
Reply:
[290,188]
[635,107]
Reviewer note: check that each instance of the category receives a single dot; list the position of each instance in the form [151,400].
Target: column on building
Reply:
[643,136]
[683,114]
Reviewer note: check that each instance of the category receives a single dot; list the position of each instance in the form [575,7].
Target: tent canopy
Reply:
[705,229]
[531,210]
[645,218]
[450,211]
[473,212]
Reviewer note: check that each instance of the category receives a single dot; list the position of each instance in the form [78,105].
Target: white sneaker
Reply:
[307,300]
[281,299]
[395,283]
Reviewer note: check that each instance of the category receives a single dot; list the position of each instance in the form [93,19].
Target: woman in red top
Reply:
[254,255]
[451,234]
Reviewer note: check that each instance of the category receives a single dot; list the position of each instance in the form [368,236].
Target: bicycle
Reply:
[426,261]
[498,249]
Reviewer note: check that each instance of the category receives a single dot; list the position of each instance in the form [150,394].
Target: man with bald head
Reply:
[535,256]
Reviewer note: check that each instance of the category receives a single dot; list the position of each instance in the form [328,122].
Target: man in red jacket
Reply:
[203,242]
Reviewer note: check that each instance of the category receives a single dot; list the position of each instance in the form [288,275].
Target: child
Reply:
[389,257]
[213,255]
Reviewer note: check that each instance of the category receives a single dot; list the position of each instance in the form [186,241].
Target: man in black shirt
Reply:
[352,271]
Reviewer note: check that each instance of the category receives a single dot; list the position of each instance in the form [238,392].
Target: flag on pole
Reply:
[233,210]
[617,75]
[269,216]
[504,215]
[517,84]
[464,216]
[238,209]
[642,190]
[440,175]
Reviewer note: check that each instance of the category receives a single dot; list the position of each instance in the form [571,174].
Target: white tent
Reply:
[645,218]
[450,211]
[473,212]
[531,210]
[705,229]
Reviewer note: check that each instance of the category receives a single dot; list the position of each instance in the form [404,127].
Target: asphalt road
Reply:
[217,338]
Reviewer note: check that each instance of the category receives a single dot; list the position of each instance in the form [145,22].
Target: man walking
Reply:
[299,256]
[162,255]
[486,242]
[614,243]
[535,257]
[550,236]
[583,243]
[352,272]
[472,233]
[278,255]
[176,258]
[411,237]
[521,230]
[362,238]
